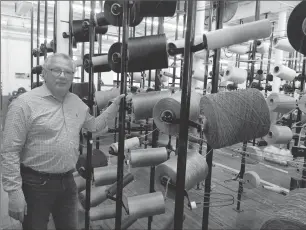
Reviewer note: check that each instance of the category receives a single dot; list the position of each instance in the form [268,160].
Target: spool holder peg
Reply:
[165,182]
[169,117]
[124,202]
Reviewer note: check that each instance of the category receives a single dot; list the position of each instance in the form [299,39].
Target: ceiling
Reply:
[18,26]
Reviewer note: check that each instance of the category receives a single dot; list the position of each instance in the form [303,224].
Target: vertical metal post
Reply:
[46,29]
[37,40]
[214,83]
[120,162]
[185,110]
[176,37]
[183,35]
[99,83]
[83,44]
[244,147]
[55,27]
[90,100]
[32,37]
[206,73]
[160,30]
[302,89]
[70,28]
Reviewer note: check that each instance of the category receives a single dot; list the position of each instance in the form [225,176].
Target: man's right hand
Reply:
[17,206]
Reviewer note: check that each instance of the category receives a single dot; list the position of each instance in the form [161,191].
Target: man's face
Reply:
[59,76]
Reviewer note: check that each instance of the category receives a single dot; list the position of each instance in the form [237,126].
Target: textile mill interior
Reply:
[153,115]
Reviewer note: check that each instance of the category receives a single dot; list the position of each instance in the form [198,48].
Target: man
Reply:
[40,149]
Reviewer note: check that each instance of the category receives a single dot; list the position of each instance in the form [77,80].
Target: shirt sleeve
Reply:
[14,136]
[101,122]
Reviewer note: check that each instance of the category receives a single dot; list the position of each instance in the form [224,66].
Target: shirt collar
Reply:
[44,91]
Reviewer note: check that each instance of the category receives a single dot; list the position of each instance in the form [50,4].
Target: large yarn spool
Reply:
[238,49]
[113,14]
[81,89]
[100,19]
[296,28]
[80,30]
[161,8]
[281,103]
[196,171]
[99,63]
[103,97]
[283,44]
[143,103]
[234,117]
[170,107]
[128,144]
[284,73]
[148,52]
[147,157]
[251,180]
[105,175]
[279,135]
[302,104]
[103,212]
[262,47]
[198,74]
[237,34]
[236,75]
[150,204]
[290,215]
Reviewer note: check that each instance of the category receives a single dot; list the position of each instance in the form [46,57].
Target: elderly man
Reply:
[40,150]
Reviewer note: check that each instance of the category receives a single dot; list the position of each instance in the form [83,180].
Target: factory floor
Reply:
[257,204]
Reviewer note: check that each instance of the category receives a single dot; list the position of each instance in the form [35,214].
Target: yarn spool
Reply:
[237,34]
[128,222]
[21,90]
[234,117]
[238,49]
[143,103]
[296,28]
[105,175]
[80,183]
[146,205]
[81,89]
[279,135]
[290,215]
[196,171]
[283,44]
[269,77]
[128,144]
[251,180]
[80,30]
[99,63]
[147,157]
[103,212]
[100,19]
[198,75]
[148,52]
[281,103]
[113,13]
[236,75]
[259,75]
[37,69]
[168,109]
[262,47]
[302,104]
[159,8]
[284,73]
[103,97]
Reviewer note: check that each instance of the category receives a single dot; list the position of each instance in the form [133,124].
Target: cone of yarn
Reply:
[290,215]
[284,73]
[172,105]
[279,135]
[234,117]
[281,103]
[196,171]
[103,97]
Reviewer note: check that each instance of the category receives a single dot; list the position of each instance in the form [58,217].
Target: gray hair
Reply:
[50,58]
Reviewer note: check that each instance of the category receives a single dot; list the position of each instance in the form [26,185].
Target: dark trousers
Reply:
[49,194]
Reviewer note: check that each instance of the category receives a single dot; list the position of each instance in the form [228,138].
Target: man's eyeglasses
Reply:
[58,72]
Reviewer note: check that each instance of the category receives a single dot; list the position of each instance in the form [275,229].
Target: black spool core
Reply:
[276,69]
[270,134]
[271,100]
[259,71]
[167,116]
[164,180]
[227,72]
[258,43]
[275,40]
[116,9]
[85,24]
[116,57]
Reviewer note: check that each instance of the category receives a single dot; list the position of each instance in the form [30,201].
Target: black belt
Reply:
[24,169]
